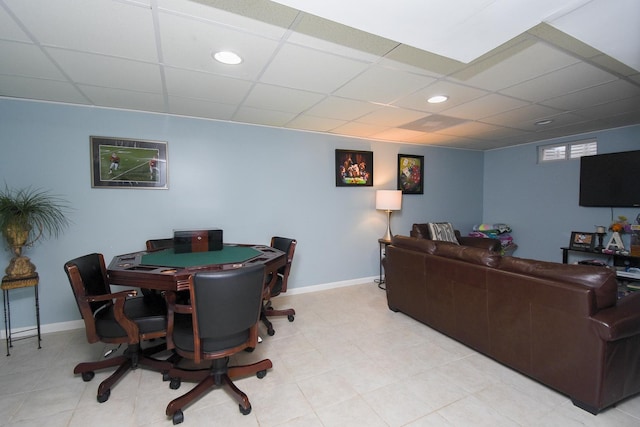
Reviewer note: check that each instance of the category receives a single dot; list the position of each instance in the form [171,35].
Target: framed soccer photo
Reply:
[128,163]
[354,168]
[582,240]
[410,174]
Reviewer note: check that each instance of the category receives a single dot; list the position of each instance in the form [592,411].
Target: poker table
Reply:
[166,270]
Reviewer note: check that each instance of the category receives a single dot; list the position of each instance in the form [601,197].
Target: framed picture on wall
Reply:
[128,163]
[410,174]
[582,240]
[354,168]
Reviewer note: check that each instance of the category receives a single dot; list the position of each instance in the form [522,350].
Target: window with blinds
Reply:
[568,150]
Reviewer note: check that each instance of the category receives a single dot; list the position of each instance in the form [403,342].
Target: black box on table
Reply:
[185,241]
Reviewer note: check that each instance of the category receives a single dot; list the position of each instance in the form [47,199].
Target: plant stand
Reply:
[9,283]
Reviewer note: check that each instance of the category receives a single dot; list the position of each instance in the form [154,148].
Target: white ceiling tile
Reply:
[118,98]
[457,94]
[601,94]
[194,84]
[189,43]
[200,108]
[486,106]
[10,30]
[340,108]
[362,130]
[570,79]
[281,99]
[522,62]
[106,71]
[47,90]
[469,128]
[521,117]
[318,124]
[262,116]
[391,116]
[397,84]
[27,60]
[100,26]
[609,109]
[300,68]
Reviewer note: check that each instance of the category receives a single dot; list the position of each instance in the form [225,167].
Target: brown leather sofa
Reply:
[421,231]
[560,324]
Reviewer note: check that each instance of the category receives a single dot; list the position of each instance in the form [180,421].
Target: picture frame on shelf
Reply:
[354,168]
[128,163]
[410,174]
[582,240]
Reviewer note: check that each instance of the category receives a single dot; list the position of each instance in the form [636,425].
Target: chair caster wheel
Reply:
[174,384]
[88,376]
[104,396]
[261,374]
[290,317]
[244,411]
[165,376]
[271,332]
[178,417]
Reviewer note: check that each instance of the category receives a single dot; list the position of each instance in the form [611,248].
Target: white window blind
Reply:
[569,150]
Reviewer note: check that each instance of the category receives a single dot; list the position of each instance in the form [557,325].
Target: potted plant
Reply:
[26,215]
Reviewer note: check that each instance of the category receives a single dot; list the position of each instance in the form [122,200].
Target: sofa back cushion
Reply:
[601,280]
[468,254]
[421,245]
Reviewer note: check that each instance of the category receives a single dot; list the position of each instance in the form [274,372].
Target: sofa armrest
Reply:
[620,321]
[480,242]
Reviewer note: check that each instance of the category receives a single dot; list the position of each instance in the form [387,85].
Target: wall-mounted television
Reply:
[610,180]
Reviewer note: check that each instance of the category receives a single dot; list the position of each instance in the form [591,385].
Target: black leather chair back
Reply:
[228,302]
[283,244]
[93,277]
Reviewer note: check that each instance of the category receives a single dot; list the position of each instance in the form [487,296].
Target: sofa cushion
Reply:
[601,280]
[422,245]
[442,231]
[468,254]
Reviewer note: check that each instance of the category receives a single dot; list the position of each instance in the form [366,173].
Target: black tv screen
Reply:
[610,180]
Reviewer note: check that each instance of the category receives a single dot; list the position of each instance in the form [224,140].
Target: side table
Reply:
[7,285]
[383,249]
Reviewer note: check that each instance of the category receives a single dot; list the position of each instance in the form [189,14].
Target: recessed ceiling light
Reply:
[437,99]
[226,57]
[544,122]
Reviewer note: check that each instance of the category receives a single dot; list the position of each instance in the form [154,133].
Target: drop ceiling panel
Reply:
[340,108]
[601,94]
[486,106]
[46,90]
[458,94]
[9,29]
[391,116]
[318,124]
[193,84]
[193,49]
[610,108]
[261,116]
[521,117]
[200,108]
[100,26]
[363,130]
[298,67]
[570,79]
[383,85]
[27,60]
[99,70]
[282,99]
[127,99]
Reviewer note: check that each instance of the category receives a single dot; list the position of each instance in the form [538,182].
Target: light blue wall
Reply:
[540,201]
[251,181]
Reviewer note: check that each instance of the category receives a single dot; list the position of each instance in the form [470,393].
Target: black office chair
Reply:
[115,318]
[275,285]
[222,320]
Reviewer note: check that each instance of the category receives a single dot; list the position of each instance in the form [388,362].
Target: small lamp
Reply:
[388,200]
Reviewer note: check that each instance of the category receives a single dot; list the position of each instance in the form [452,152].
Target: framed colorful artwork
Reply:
[410,174]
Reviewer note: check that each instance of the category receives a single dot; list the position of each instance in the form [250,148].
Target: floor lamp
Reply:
[388,200]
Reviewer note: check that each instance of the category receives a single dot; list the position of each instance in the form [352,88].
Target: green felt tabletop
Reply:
[228,254]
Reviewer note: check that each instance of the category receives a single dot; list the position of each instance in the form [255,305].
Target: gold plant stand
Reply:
[9,283]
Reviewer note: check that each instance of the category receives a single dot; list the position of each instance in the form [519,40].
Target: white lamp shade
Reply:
[389,200]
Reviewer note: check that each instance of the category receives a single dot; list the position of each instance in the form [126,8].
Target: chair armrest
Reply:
[107,297]
[480,242]
[621,321]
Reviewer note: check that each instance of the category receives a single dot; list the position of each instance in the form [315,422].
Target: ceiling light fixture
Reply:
[227,57]
[544,122]
[437,99]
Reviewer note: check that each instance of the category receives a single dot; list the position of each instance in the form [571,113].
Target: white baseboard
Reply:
[78,324]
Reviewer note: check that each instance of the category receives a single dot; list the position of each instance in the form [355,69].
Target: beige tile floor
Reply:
[345,361]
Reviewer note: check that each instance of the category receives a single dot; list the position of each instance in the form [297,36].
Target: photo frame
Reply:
[582,240]
[354,168]
[128,163]
[410,174]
